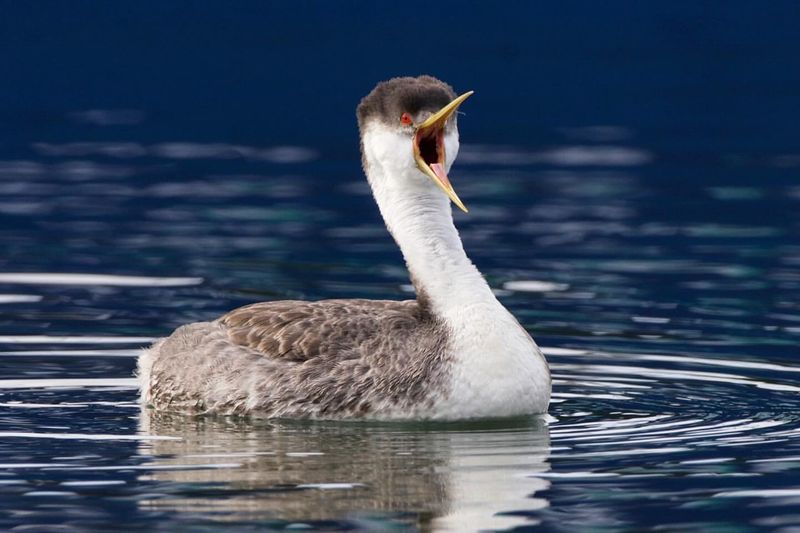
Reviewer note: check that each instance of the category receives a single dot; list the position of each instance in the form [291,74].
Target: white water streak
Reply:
[19,298]
[47,339]
[67,383]
[95,279]
[81,436]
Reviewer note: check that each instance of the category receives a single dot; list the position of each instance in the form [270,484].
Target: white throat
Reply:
[497,368]
[419,216]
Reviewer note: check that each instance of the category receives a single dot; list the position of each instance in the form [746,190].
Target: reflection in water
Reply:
[460,477]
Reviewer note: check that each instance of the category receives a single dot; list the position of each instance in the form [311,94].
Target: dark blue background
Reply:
[686,75]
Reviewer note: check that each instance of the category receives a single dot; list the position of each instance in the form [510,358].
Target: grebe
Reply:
[452,353]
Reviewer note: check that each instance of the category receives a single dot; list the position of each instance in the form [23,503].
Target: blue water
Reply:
[633,178]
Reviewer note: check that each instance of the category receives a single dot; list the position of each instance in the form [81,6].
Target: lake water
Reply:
[633,178]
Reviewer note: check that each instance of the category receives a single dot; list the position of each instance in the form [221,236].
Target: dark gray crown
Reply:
[390,99]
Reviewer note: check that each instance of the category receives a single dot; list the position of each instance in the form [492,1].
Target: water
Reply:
[637,210]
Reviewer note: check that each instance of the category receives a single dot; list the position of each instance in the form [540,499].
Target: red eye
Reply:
[405,118]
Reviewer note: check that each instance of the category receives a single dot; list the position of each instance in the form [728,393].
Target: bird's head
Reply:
[408,128]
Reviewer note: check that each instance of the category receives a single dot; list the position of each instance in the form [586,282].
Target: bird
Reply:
[452,353]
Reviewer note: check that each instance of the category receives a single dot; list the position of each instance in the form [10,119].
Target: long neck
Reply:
[419,218]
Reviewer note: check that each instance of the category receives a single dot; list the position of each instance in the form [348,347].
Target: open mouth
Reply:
[429,145]
[429,148]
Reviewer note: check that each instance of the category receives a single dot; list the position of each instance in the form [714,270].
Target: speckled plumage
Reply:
[455,352]
[325,359]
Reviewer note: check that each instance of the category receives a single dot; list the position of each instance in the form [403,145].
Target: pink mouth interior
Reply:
[429,147]
[438,169]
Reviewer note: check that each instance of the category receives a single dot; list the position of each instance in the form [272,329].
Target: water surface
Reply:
[638,213]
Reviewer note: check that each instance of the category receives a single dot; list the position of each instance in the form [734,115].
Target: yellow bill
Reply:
[429,150]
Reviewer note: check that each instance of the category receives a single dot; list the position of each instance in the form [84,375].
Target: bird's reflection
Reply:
[462,477]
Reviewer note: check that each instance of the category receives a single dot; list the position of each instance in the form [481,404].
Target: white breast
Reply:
[497,368]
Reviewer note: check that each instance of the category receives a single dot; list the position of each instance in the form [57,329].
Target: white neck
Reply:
[418,215]
[497,368]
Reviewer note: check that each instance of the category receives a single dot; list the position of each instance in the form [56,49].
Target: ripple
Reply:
[19,298]
[178,150]
[766,493]
[534,286]
[95,279]
[331,486]
[154,467]
[692,375]
[72,353]
[81,436]
[93,483]
[51,493]
[566,156]
[656,408]
[68,383]
[77,339]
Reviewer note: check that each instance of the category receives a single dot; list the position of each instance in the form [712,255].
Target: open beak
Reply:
[429,148]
